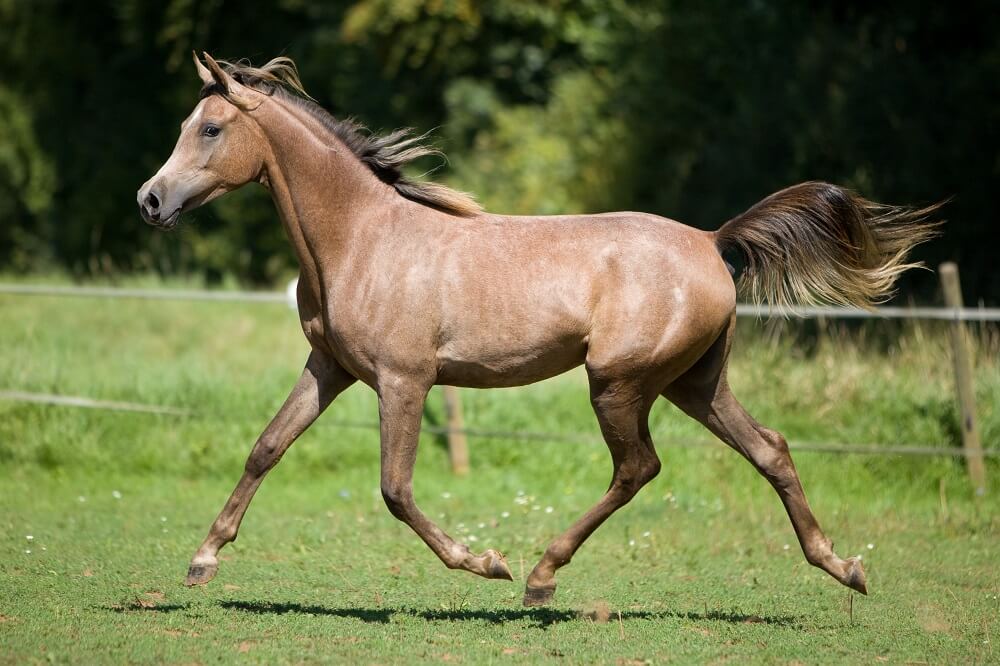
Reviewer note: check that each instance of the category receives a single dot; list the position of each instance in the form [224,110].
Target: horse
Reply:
[406,284]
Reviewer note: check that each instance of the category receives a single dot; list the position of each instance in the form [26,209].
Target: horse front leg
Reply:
[322,380]
[401,405]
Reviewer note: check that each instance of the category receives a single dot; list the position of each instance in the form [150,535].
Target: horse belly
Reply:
[501,362]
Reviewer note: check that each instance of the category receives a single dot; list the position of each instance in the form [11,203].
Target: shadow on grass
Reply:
[374,615]
[139,607]
[542,617]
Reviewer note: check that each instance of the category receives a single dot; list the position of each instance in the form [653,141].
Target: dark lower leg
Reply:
[401,409]
[768,452]
[319,384]
[780,471]
[621,415]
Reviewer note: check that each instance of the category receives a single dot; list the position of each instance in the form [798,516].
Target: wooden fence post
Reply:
[458,447]
[964,382]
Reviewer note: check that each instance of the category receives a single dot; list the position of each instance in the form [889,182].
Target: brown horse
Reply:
[407,284]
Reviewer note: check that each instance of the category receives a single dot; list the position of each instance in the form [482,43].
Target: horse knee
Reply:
[397,499]
[263,457]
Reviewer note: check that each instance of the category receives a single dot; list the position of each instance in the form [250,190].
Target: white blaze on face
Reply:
[183,176]
[195,115]
[177,162]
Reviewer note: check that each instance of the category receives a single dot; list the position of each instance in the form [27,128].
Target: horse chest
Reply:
[351,342]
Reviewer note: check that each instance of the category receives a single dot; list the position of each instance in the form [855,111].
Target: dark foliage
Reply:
[690,110]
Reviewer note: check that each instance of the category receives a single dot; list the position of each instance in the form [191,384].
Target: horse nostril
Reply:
[152,201]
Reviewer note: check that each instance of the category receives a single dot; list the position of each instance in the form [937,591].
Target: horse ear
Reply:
[203,72]
[218,75]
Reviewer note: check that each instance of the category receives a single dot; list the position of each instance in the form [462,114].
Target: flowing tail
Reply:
[816,243]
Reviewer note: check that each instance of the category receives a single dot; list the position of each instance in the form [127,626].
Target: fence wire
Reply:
[742,310]
[980,314]
[522,436]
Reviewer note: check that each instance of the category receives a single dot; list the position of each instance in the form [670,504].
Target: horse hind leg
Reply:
[621,411]
[704,394]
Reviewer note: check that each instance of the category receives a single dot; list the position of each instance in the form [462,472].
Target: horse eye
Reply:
[210,130]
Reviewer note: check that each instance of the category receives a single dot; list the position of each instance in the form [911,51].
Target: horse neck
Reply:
[323,193]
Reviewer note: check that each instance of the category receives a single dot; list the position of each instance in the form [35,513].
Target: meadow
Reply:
[101,510]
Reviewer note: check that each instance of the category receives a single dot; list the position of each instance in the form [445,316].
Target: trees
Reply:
[691,110]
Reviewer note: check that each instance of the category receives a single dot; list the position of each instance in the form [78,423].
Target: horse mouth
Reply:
[166,223]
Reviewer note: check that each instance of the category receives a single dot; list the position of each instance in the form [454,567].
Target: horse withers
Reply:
[405,285]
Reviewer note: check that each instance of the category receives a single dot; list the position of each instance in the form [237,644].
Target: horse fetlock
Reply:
[819,553]
[556,556]
[543,575]
[221,534]
[457,556]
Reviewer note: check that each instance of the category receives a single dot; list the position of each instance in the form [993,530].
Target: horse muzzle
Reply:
[152,209]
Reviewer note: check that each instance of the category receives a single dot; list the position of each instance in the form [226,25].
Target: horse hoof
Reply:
[200,574]
[855,578]
[497,566]
[538,596]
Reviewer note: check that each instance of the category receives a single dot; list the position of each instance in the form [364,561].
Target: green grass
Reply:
[696,565]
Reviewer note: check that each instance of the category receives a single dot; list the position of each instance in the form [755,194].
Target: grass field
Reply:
[100,511]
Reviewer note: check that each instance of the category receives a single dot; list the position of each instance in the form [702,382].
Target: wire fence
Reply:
[287,297]
[951,314]
[478,433]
